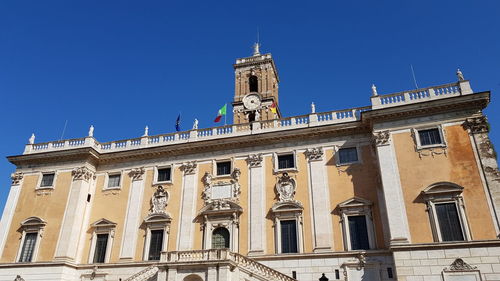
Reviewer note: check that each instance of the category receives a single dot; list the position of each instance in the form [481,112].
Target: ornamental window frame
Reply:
[286,211]
[357,206]
[443,193]
[159,221]
[156,173]
[337,155]
[30,225]
[220,213]
[40,180]
[276,155]
[416,136]
[102,226]
[225,160]
[106,180]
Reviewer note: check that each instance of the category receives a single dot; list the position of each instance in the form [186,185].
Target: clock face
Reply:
[251,102]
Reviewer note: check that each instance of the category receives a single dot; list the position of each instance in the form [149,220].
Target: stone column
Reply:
[392,191]
[320,201]
[188,206]
[74,214]
[257,201]
[488,166]
[133,216]
[10,207]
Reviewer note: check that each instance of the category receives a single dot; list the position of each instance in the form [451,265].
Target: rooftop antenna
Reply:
[413,74]
[64,129]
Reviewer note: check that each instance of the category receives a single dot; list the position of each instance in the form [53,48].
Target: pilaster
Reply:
[392,190]
[188,206]
[74,214]
[318,186]
[10,207]
[256,195]
[133,215]
[478,129]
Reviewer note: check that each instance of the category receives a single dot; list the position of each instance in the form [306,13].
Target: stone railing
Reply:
[421,95]
[295,122]
[238,260]
[144,274]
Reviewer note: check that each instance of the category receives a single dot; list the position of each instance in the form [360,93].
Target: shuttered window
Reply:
[100,248]
[28,247]
[358,233]
[289,236]
[286,161]
[449,222]
[155,245]
[429,137]
[220,238]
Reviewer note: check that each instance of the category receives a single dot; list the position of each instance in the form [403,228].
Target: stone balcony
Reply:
[260,127]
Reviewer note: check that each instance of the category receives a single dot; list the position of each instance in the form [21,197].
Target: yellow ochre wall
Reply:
[457,166]
[47,207]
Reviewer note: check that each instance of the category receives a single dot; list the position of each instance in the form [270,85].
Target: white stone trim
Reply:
[160,167]
[359,208]
[8,213]
[231,226]
[416,135]
[28,227]
[336,149]
[257,209]
[110,231]
[132,219]
[187,210]
[39,182]
[277,230]
[220,160]
[106,180]
[165,226]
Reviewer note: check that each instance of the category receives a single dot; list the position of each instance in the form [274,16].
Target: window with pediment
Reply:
[32,232]
[103,233]
[157,225]
[357,224]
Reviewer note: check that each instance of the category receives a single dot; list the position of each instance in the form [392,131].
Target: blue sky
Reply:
[122,65]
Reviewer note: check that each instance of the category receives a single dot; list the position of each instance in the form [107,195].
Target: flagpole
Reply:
[225,116]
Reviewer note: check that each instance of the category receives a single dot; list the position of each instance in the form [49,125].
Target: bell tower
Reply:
[256,88]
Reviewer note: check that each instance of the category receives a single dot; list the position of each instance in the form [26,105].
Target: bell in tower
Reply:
[256,88]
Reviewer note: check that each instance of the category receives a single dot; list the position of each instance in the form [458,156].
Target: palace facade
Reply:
[407,188]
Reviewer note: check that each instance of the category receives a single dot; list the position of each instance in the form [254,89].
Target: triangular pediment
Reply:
[355,202]
[103,223]
[443,188]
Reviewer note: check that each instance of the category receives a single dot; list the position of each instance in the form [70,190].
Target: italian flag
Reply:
[222,111]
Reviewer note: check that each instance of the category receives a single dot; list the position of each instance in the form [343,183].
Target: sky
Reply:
[124,65]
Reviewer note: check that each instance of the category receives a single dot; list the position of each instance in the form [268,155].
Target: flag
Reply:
[273,107]
[178,123]
[222,111]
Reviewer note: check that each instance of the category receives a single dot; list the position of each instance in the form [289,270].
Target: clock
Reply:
[251,101]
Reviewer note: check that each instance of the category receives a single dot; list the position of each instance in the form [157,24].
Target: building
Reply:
[407,188]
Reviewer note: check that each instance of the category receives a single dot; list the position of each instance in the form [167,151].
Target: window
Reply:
[429,137]
[220,238]
[289,236]
[155,245]
[32,229]
[47,180]
[102,241]
[286,161]
[357,224]
[347,155]
[254,83]
[114,181]
[28,247]
[358,233]
[223,168]
[446,210]
[100,248]
[164,175]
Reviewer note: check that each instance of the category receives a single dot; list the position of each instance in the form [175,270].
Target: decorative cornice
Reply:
[16,178]
[461,265]
[189,168]
[477,125]
[137,173]
[314,154]
[82,173]
[381,138]
[254,160]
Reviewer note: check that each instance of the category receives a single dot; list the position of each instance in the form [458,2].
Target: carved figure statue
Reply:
[207,179]
[374,90]
[236,174]
[313,108]
[91,131]
[256,50]
[32,139]
[146,131]
[460,75]
[195,124]
[159,201]
[19,278]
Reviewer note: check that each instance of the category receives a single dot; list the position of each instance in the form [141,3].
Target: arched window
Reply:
[254,83]
[220,238]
